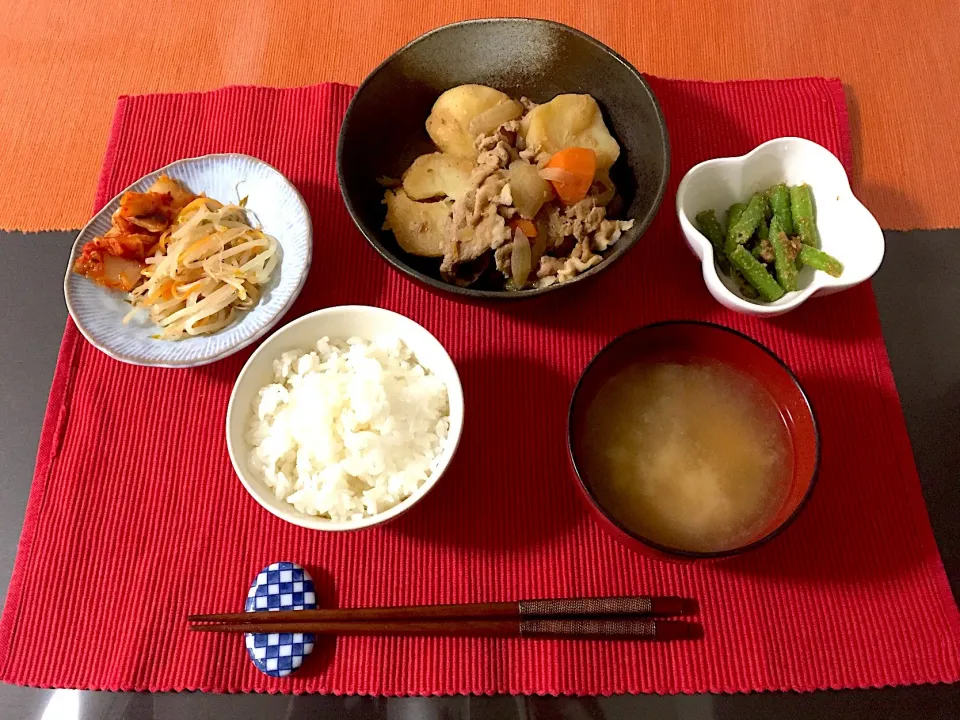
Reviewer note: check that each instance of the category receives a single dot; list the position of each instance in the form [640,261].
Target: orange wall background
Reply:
[63,64]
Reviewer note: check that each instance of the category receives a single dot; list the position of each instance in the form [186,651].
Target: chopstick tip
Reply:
[679,630]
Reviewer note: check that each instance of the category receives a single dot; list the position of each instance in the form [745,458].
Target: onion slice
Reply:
[489,120]
[557,175]
[520,259]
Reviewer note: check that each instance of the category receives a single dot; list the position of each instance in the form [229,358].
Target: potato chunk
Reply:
[437,175]
[452,113]
[420,228]
[570,121]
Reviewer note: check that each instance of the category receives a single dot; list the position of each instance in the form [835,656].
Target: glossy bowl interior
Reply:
[341,322]
[688,342]
[383,130]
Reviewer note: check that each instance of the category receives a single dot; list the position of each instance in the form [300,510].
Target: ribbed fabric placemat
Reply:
[135,518]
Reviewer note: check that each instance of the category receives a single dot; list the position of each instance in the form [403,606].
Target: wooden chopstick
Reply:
[597,628]
[572,607]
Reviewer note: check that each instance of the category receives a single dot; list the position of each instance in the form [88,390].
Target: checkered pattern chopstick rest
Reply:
[280,586]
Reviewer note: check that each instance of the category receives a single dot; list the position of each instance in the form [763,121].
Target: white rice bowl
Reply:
[349,429]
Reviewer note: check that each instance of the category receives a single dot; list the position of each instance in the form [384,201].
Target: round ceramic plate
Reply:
[272,200]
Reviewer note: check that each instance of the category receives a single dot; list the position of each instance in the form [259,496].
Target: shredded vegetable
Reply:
[210,263]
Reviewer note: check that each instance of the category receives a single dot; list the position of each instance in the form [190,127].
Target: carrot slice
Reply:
[523,225]
[581,164]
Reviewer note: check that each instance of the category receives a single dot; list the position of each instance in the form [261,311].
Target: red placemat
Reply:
[136,519]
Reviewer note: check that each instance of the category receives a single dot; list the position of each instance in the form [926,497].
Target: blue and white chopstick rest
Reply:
[280,586]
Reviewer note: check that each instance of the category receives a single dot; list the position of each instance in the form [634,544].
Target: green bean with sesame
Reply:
[761,244]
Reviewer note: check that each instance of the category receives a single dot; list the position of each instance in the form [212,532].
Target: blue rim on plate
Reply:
[273,201]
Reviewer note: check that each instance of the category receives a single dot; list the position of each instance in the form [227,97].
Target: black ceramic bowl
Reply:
[383,130]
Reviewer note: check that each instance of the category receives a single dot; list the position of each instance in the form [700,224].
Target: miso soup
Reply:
[694,457]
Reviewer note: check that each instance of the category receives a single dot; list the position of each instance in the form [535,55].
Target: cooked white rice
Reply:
[350,429]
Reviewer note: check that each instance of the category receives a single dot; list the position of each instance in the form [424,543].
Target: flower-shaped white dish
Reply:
[273,201]
[848,231]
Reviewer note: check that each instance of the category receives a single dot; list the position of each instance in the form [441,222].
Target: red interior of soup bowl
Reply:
[689,342]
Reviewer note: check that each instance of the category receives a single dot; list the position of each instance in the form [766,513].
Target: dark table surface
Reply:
[917,293]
